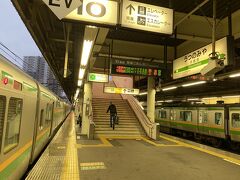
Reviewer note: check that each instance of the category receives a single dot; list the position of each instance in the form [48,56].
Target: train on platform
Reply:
[213,124]
[30,115]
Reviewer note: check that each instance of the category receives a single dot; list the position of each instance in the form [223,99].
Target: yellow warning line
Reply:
[70,169]
[224,157]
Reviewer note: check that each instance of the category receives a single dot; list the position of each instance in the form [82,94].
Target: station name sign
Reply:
[192,63]
[115,90]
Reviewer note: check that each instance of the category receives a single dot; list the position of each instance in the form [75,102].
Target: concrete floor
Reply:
[112,158]
[131,159]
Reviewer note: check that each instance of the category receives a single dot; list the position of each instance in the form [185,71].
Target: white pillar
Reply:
[87,99]
[151,99]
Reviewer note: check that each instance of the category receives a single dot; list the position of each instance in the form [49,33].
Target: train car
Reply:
[212,123]
[29,114]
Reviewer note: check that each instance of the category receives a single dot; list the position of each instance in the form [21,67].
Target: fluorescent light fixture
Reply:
[234,75]
[80,82]
[194,83]
[159,101]
[143,93]
[87,46]
[214,79]
[169,88]
[234,96]
[81,73]
[168,100]
[208,98]
[77,93]
[193,99]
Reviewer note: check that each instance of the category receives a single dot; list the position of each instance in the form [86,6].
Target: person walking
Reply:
[113,114]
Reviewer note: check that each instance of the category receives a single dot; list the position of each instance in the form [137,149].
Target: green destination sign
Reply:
[94,77]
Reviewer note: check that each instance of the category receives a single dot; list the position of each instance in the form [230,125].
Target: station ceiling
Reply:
[50,36]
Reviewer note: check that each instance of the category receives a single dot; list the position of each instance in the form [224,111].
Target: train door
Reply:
[203,121]
[51,126]
[226,121]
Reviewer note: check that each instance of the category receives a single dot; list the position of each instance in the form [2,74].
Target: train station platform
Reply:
[70,156]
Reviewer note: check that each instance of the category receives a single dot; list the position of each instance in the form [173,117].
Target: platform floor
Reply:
[116,158]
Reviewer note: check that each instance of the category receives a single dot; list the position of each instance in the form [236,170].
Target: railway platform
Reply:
[70,156]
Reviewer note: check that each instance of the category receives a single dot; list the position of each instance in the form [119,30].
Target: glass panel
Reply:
[2,115]
[218,118]
[41,120]
[235,120]
[182,115]
[163,114]
[48,116]
[188,116]
[13,124]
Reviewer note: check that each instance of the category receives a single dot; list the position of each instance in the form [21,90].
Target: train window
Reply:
[13,124]
[185,115]
[203,117]
[235,120]
[2,115]
[218,118]
[162,114]
[41,120]
[48,116]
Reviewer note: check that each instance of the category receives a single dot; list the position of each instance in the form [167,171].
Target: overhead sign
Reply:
[193,62]
[147,17]
[141,71]
[135,63]
[115,90]
[94,77]
[61,8]
[96,11]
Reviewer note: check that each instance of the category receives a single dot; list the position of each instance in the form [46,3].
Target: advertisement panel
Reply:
[147,17]
[193,62]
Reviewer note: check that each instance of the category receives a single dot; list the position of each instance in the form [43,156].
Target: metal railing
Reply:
[91,122]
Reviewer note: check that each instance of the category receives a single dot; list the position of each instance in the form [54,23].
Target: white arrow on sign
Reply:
[62,8]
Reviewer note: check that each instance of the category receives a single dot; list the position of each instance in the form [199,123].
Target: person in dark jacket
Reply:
[113,113]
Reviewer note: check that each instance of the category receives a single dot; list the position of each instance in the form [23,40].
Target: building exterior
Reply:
[37,67]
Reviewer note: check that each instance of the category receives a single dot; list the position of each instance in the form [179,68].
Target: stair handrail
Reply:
[145,121]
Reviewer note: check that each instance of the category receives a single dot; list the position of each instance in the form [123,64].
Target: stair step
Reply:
[119,132]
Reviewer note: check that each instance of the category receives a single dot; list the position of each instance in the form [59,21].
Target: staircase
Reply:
[128,123]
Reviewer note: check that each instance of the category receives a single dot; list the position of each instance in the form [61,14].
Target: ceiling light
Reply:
[143,93]
[80,82]
[77,93]
[234,96]
[87,46]
[194,83]
[214,79]
[96,9]
[193,99]
[208,98]
[169,88]
[160,101]
[168,100]
[234,75]
[81,73]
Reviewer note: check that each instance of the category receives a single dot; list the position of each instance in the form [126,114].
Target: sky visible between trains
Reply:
[13,32]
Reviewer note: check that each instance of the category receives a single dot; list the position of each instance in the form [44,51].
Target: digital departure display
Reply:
[141,71]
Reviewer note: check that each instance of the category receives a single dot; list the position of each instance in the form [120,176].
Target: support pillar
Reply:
[151,99]
[87,101]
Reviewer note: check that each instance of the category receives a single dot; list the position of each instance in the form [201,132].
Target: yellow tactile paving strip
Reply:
[70,169]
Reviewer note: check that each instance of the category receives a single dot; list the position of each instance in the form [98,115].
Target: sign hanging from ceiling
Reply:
[129,67]
[94,77]
[96,11]
[114,90]
[62,8]
[193,62]
[147,17]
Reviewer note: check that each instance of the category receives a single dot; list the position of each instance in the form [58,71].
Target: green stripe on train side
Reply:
[4,174]
[234,132]
[193,126]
